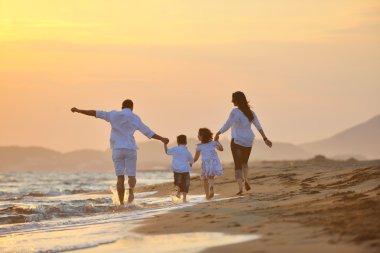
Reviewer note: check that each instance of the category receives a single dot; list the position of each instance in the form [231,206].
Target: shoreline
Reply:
[294,206]
[312,205]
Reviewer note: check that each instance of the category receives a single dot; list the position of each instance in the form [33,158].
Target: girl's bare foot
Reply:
[211,192]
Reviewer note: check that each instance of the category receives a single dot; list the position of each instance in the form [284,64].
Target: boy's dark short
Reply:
[182,180]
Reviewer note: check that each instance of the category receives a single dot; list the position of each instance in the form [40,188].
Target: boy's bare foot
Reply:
[247,186]
[131,195]
[240,193]
[178,195]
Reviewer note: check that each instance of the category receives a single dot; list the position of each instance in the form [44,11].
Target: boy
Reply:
[181,165]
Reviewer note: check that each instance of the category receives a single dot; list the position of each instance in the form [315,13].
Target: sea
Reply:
[61,212]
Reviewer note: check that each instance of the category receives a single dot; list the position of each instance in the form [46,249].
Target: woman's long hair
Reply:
[241,102]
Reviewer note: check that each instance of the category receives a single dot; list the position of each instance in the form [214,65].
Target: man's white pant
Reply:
[124,161]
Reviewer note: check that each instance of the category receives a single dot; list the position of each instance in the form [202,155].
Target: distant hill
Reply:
[19,159]
[362,140]
[359,142]
[150,156]
[279,151]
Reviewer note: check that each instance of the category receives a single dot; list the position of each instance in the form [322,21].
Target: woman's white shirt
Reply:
[241,130]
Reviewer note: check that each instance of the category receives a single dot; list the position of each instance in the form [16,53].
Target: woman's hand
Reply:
[268,142]
[216,138]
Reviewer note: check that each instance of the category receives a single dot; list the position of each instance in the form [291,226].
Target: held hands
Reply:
[216,138]
[165,140]
[74,109]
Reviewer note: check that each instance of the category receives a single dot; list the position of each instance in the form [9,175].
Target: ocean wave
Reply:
[9,196]
[12,219]
[31,213]
[55,193]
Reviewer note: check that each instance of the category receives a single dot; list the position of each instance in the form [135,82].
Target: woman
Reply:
[239,121]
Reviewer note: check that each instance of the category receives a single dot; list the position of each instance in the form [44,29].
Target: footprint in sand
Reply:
[309,180]
[234,224]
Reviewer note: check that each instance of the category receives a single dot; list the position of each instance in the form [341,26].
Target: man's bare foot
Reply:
[131,195]
[178,195]
[240,193]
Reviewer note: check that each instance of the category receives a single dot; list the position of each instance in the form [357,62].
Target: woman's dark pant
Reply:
[241,156]
[182,180]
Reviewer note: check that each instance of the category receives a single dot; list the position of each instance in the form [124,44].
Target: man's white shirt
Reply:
[124,124]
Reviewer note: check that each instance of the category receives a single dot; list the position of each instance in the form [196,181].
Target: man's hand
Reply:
[165,140]
[85,112]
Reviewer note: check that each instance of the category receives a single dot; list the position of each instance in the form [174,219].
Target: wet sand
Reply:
[302,206]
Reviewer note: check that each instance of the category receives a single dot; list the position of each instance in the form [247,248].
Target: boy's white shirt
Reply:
[181,159]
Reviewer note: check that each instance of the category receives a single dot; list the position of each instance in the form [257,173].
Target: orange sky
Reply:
[310,68]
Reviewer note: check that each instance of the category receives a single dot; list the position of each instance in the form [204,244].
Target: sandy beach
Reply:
[316,205]
[302,206]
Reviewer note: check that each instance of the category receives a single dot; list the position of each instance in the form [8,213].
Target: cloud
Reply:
[373,12]
[364,28]
[48,23]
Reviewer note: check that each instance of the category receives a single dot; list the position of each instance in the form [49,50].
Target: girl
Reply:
[211,165]
[240,122]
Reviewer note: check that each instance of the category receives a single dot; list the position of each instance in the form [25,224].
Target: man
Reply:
[124,123]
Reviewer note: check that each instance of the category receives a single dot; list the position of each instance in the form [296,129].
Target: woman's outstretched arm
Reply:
[226,126]
[258,126]
[266,140]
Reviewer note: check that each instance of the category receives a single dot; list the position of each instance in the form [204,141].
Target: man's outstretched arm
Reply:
[163,139]
[85,112]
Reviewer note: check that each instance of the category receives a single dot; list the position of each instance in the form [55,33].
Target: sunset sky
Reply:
[309,68]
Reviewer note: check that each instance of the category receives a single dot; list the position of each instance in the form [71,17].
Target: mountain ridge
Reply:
[360,139]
